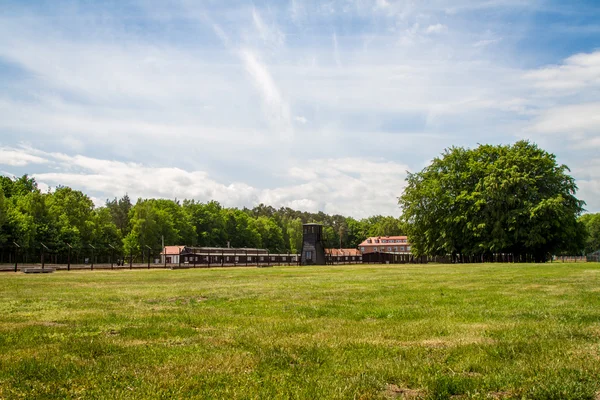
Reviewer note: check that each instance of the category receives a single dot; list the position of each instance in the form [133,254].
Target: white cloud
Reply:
[571,119]
[278,112]
[486,42]
[580,71]
[437,28]
[270,34]
[350,186]
[16,158]
[300,119]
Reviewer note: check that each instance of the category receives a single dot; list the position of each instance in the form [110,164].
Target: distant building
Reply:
[171,254]
[342,252]
[189,254]
[385,244]
[313,250]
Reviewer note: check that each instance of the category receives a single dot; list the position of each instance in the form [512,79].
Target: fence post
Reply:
[112,256]
[16,254]
[131,258]
[93,248]
[43,254]
[69,257]
[149,251]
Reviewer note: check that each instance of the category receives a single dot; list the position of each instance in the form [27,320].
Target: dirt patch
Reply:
[396,392]
[471,374]
[51,323]
[179,299]
[187,300]
[500,395]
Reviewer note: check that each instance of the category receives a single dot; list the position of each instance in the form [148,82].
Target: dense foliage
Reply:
[473,203]
[66,217]
[592,226]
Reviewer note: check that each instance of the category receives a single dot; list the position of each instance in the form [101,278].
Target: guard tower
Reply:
[313,250]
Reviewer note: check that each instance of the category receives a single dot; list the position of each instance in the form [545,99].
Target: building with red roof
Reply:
[385,244]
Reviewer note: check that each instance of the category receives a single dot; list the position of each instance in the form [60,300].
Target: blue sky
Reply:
[314,105]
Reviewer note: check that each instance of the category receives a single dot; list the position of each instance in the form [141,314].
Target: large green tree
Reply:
[472,203]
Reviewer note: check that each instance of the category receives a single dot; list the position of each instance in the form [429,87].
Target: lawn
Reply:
[370,332]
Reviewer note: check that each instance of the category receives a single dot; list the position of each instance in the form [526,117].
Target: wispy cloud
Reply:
[437,28]
[276,107]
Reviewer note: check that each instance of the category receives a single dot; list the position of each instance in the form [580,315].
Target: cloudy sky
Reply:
[315,105]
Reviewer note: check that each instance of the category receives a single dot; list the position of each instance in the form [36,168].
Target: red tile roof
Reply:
[379,240]
[172,250]
[342,252]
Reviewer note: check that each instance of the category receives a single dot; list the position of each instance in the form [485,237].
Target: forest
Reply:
[64,217]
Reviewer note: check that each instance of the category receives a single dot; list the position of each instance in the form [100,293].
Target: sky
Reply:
[313,105]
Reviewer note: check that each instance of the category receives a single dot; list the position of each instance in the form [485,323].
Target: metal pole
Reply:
[93,248]
[69,258]
[112,256]
[16,254]
[222,257]
[149,251]
[43,254]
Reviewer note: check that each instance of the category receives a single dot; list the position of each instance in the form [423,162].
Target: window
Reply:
[262,258]
[309,255]
[389,249]
[407,248]
[401,248]
[395,248]
[362,248]
[237,259]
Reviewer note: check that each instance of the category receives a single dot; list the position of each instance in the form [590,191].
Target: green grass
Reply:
[369,332]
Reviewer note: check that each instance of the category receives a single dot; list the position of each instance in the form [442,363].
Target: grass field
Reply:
[412,331]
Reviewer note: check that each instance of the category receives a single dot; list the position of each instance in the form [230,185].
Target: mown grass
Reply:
[370,332]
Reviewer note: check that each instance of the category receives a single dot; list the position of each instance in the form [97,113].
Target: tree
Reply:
[208,220]
[119,211]
[271,234]
[4,234]
[592,226]
[294,232]
[472,203]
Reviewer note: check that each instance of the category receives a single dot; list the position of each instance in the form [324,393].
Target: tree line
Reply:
[65,217]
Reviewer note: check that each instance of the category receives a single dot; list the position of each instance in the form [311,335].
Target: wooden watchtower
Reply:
[313,250]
